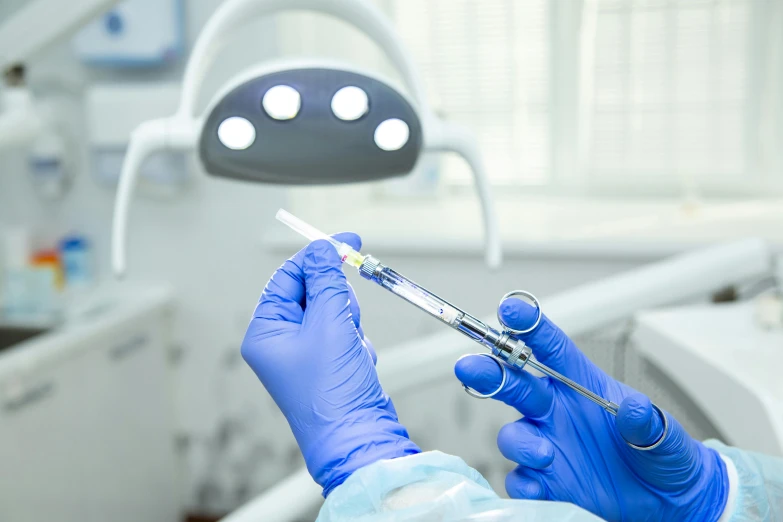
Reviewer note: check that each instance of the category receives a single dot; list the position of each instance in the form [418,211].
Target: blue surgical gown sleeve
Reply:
[757,489]
[433,486]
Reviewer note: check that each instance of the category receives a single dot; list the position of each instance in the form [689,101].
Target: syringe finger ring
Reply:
[527,295]
[473,393]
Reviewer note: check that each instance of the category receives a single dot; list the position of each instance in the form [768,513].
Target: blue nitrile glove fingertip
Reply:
[637,420]
[351,239]
[478,372]
[518,314]
[321,252]
[520,486]
[519,443]
[546,451]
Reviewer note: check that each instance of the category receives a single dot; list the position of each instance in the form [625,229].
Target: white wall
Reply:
[207,244]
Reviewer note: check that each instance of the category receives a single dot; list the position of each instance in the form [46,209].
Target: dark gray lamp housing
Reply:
[311,127]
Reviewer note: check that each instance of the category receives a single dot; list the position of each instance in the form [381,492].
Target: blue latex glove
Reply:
[571,450]
[306,345]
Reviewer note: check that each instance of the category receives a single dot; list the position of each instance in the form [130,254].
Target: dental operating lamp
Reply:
[302,122]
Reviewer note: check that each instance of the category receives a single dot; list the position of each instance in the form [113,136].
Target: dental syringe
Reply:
[502,345]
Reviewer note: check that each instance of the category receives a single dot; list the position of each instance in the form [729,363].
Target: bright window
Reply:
[665,96]
[622,96]
[486,65]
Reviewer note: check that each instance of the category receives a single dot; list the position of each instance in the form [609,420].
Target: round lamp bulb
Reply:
[282,102]
[392,134]
[350,103]
[236,133]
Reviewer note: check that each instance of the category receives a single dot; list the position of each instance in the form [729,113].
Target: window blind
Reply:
[669,88]
[634,93]
[486,65]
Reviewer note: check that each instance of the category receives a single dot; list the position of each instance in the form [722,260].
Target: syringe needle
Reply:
[609,406]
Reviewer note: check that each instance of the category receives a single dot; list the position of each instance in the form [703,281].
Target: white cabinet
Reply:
[41,438]
[726,362]
[86,431]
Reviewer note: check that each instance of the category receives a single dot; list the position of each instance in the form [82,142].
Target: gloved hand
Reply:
[306,345]
[569,449]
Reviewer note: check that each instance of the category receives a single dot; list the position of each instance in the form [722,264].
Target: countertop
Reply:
[105,308]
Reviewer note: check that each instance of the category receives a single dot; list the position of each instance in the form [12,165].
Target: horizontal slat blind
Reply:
[486,65]
[667,93]
[669,83]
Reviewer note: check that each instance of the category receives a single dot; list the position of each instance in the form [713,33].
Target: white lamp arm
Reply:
[147,138]
[150,136]
[235,13]
[448,137]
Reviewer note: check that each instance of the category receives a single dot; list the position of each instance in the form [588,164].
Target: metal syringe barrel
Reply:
[512,351]
[515,352]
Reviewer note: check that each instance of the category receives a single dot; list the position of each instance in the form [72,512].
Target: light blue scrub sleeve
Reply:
[433,486]
[436,486]
[759,495]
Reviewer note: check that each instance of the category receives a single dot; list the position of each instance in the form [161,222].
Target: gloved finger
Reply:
[254,351]
[533,397]
[351,239]
[283,298]
[371,349]
[356,315]
[522,443]
[550,344]
[356,312]
[326,288]
[638,422]
[669,464]
[521,483]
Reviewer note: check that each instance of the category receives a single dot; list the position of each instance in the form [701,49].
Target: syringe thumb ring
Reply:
[665,431]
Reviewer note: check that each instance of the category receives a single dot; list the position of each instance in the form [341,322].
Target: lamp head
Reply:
[311,126]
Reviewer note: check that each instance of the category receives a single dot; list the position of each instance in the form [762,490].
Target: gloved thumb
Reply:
[326,288]
[638,422]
